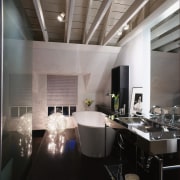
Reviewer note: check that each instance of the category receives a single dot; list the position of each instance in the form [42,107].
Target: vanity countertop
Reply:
[151,136]
[149,129]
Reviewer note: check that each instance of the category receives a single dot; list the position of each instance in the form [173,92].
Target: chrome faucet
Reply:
[115,115]
[155,114]
[174,108]
[152,110]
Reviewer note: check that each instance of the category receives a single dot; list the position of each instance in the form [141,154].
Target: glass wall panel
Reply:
[16,114]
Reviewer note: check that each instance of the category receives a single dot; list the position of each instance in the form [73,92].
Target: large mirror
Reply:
[16,114]
[165,61]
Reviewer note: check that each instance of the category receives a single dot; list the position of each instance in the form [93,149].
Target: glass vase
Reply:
[116,104]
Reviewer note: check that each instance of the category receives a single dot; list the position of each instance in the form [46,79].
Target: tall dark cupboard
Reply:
[120,85]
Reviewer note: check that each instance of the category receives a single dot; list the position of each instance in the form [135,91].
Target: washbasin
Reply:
[153,137]
[128,122]
[156,128]
[147,126]
[153,129]
[157,131]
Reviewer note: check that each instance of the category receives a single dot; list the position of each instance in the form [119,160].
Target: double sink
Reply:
[152,136]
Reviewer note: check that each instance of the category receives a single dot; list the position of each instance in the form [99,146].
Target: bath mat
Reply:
[113,171]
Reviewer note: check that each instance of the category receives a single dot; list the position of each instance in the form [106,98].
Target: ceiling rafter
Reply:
[171,46]
[87,20]
[129,14]
[69,18]
[166,39]
[98,18]
[40,16]
[166,26]
[104,28]
[161,16]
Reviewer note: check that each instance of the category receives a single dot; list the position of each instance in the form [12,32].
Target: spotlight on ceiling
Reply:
[126,27]
[119,33]
[61,17]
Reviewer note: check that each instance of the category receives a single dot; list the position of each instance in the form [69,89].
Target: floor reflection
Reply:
[25,146]
[24,127]
[56,143]
[59,144]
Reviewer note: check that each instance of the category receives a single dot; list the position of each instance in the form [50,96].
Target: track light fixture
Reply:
[126,27]
[61,17]
[119,33]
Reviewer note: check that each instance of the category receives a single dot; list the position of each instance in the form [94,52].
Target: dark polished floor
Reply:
[58,157]
[64,160]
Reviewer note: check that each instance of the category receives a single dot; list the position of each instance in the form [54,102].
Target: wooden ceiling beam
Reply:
[166,26]
[162,12]
[69,18]
[165,39]
[87,20]
[127,16]
[98,18]
[104,28]
[40,16]
[171,46]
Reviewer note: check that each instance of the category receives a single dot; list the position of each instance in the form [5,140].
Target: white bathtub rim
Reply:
[100,123]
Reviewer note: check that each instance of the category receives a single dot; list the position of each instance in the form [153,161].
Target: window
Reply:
[20,94]
[18,111]
[65,110]
[20,90]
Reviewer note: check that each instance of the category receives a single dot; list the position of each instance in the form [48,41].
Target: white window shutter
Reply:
[61,90]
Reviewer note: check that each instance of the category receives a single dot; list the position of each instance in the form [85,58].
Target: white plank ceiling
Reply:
[98,21]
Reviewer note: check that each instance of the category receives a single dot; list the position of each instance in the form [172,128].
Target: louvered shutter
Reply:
[61,90]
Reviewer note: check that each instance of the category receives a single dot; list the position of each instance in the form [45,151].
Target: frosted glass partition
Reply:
[16,117]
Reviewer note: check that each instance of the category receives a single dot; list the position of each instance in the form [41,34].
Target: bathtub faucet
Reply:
[117,113]
[112,116]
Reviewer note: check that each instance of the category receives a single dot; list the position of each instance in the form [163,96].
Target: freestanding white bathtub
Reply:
[91,130]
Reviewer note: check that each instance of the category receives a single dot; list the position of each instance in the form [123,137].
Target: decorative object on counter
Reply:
[88,103]
[116,105]
[116,102]
[136,101]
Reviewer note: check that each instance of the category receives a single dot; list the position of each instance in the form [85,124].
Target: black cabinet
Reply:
[120,85]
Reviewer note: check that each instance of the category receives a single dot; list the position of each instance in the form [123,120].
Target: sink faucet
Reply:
[174,108]
[154,108]
[155,113]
